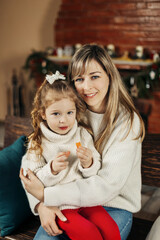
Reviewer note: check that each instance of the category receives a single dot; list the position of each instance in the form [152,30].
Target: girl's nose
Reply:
[62,119]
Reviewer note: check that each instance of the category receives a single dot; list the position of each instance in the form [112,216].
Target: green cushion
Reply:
[14,206]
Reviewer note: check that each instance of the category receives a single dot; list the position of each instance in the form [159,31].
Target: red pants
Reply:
[89,223]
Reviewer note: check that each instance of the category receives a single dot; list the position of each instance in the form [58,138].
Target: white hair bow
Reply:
[52,78]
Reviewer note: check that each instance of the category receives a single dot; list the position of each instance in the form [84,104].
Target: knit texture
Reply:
[52,144]
[118,183]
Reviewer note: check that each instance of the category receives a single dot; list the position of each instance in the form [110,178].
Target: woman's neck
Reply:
[99,110]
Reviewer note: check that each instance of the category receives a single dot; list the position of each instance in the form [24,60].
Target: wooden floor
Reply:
[26,231]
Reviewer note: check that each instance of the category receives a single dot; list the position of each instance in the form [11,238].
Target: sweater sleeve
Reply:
[87,141]
[47,177]
[41,169]
[121,158]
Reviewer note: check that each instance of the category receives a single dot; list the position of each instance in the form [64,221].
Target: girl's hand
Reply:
[48,218]
[60,163]
[85,156]
[32,184]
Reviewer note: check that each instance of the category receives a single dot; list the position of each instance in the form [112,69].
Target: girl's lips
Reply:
[63,128]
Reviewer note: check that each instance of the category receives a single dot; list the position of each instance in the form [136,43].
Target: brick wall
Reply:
[125,23]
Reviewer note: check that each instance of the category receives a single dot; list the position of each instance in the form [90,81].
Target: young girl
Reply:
[118,132]
[53,156]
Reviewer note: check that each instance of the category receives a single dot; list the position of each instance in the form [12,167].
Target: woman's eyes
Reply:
[78,80]
[82,79]
[95,77]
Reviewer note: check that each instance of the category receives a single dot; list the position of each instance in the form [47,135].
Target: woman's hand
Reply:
[32,184]
[48,218]
[85,156]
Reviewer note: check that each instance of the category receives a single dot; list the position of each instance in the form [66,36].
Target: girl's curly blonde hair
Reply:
[46,95]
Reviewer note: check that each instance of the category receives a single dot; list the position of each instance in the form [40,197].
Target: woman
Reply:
[52,155]
[118,132]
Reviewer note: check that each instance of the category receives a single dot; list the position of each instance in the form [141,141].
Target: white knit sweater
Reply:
[118,183]
[52,144]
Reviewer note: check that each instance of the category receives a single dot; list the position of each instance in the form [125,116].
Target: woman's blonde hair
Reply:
[117,95]
[46,95]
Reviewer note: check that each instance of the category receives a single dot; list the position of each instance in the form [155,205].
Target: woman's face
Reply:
[93,86]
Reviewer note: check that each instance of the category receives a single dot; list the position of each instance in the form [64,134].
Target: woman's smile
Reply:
[90,95]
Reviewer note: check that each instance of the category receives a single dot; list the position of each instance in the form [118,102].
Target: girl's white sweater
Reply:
[52,144]
[118,183]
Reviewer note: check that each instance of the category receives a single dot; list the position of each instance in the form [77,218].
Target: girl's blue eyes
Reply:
[69,113]
[57,114]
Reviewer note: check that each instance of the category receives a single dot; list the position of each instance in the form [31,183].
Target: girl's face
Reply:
[60,115]
[93,86]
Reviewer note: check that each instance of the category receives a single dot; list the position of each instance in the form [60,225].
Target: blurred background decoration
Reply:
[140,84]
[39,65]
[145,82]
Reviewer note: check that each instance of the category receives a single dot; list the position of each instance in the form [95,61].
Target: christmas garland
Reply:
[143,83]
[139,85]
